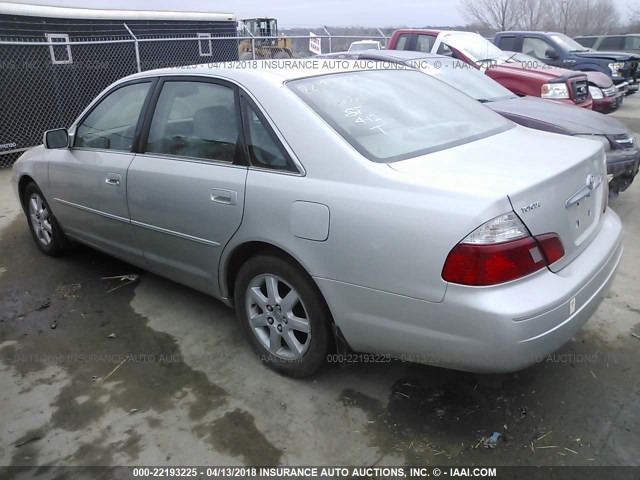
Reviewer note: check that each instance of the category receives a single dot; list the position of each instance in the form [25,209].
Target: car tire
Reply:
[283,314]
[44,227]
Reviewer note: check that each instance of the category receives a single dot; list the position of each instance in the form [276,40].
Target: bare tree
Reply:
[533,14]
[496,14]
[560,15]
[599,16]
[578,17]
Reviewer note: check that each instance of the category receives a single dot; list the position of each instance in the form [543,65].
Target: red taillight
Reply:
[490,264]
[551,246]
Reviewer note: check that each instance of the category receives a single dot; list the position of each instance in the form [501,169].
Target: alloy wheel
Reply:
[40,219]
[278,317]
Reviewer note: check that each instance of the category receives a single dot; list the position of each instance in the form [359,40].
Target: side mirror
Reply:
[551,53]
[58,138]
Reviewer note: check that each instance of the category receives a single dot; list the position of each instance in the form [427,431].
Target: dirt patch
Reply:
[236,433]
[69,293]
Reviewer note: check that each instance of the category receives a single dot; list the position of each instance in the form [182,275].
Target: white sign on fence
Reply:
[315,44]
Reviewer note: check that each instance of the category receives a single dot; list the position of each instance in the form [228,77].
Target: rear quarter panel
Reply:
[387,231]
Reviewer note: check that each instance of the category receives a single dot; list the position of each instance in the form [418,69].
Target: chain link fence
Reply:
[46,84]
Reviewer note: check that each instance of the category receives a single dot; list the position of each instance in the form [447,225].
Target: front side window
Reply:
[195,120]
[425,43]
[394,115]
[111,125]
[536,47]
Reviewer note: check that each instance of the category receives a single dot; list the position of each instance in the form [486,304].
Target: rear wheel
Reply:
[283,314]
[43,225]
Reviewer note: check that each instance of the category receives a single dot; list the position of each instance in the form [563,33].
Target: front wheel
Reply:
[43,225]
[283,314]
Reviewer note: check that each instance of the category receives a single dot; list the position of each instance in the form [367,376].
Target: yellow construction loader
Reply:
[267,42]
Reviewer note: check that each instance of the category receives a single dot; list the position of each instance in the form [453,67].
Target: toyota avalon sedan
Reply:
[370,209]
[621,149]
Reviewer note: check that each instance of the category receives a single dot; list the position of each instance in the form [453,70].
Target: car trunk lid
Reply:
[556,184]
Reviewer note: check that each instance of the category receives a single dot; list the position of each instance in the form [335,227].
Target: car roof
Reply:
[429,31]
[397,55]
[393,56]
[286,69]
[523,32]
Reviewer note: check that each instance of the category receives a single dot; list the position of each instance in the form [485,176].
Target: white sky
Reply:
[311,12]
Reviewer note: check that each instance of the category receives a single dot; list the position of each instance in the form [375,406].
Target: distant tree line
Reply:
[573,17]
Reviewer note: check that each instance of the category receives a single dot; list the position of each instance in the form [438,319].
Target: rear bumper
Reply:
[495,329]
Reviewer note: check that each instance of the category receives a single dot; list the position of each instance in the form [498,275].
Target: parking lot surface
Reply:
[155,373]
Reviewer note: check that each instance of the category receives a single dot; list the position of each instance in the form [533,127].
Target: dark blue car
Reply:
[560,50]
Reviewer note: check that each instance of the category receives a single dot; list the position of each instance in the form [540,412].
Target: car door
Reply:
[88,181]
[187,183]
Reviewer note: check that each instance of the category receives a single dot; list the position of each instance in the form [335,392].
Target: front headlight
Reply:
[554,90]
[596,93]
[615,68]
[598,138]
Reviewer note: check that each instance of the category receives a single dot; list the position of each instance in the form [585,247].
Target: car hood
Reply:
[553,116]
[599,79]
[613,56]
[541,75]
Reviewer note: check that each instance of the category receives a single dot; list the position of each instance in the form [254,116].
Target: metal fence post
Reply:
[383,36]
[327,32]
[135,40]
[253,40]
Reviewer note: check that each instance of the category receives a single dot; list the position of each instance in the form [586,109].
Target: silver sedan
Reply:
[337,208]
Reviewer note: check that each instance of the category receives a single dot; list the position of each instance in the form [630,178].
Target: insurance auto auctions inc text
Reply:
[386,472]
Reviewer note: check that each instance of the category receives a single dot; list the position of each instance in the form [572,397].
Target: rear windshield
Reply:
[392,115]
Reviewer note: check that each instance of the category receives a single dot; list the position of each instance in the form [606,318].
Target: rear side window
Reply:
[112,123]
[265,150]
[612,43]
[394,115]
[508,43]
[195,120]
[588,42]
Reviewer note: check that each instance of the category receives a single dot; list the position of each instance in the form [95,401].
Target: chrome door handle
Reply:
[112,179]
[226,197]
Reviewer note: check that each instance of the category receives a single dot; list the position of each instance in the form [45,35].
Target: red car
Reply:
[570,87]
[606,96]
